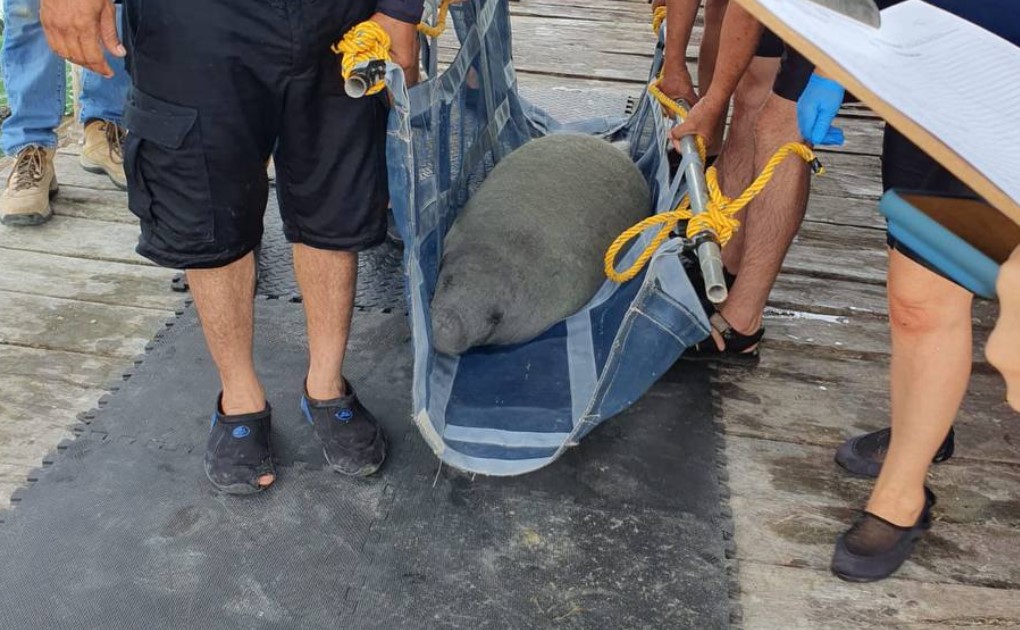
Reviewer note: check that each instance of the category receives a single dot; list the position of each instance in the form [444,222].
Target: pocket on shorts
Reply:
[168,180]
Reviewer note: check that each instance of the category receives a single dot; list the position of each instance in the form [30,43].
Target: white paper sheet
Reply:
[954,79]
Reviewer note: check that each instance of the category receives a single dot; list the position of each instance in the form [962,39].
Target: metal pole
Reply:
[709,252]
[364,77]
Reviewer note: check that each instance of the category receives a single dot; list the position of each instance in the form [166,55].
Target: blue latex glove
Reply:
[817,108]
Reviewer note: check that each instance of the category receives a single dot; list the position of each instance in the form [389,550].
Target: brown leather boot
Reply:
[30,186]
[104,151]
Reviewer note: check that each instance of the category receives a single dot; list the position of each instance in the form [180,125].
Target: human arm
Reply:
[78,30]
[676,78]
[399,18]
[739,40]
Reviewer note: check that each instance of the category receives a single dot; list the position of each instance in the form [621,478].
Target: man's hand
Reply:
[817,108]
[677,84]
[403,45]
[702,120]
[77,30]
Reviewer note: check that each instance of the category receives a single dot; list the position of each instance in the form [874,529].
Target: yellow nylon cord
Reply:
[719,216]
[368,41]
[658,17]
[440,27]
[365,42]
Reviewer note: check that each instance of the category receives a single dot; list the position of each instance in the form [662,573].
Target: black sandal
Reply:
[238,453]
[736,345]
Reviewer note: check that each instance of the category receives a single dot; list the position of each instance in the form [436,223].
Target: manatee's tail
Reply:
[449,334]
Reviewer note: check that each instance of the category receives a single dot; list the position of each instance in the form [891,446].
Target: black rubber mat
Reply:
[122,530]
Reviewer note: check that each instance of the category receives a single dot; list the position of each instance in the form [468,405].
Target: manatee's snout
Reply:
[459,319]
[449,334]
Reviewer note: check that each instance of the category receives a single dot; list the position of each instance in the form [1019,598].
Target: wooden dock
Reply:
[79,305]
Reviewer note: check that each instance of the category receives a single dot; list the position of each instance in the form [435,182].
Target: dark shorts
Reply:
[218,87]
[905,166]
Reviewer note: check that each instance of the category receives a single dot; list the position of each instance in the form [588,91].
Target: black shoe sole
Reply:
[241,489]
[858,579]
[367,470]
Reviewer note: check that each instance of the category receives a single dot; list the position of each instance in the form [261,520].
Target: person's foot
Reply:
[30,186]
[352,440]
[726,344]
[238,456]
[863,455]
[103,152]
[874,548]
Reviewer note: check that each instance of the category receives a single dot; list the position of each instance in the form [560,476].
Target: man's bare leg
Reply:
[224,299]
[772,219]
[327,280]
[736,161]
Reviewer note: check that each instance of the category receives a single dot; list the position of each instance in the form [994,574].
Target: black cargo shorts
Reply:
[220,85]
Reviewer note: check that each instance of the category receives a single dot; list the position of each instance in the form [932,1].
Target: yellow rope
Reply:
[658,17]
[365,42]
[719,216]
[368,41]
[437,30]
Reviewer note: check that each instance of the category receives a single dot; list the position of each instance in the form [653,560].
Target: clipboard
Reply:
[1001,188]
[964,238]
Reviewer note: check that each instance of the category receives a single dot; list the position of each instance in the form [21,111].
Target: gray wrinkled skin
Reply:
[527,250]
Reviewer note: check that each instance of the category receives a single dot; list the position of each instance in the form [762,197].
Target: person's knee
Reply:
[756,85]
[921,302]
[776,123]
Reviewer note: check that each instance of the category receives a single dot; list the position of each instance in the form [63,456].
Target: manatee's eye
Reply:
[447,282]
[495,317]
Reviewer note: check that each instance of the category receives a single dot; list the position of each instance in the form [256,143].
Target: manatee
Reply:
[527,250]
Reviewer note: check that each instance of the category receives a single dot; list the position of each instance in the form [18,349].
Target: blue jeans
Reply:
[35,80]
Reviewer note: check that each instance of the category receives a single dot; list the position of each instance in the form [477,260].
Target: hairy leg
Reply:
[327,280]
[772,219]
[736,161]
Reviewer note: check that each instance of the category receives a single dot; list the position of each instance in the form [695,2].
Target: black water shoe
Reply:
[863,455]
[238,452]
[352,441]
[873,549]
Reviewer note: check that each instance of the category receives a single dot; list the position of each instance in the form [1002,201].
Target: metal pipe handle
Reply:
[709,252]
[364,77]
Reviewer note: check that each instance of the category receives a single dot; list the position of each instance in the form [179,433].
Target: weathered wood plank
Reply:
[839,252]
[804,398]
[58,324]
[37,414]
[79,370]
[88,280]
[848,211]
[790,502]
[797,599]
[833,296]
[854,176]
[828,296]
[77,238]
[92,203]
[850,336]
[69,171]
